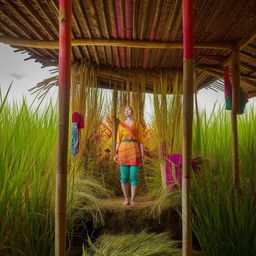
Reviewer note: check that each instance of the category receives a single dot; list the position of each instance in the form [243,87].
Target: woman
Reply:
[129,153]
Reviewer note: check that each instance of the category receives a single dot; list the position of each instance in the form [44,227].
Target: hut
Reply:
[124,38]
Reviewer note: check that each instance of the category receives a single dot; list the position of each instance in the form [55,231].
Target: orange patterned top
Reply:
[129,138]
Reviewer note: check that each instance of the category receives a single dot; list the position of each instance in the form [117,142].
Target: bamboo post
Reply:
[65,7]
[53,44]
[234,112]
[188,84]
[163,172]
[114,121]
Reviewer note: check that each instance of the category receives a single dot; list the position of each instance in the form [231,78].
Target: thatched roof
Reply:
[220,23]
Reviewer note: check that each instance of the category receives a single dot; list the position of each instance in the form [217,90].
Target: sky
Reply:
[26,74]
[22,74]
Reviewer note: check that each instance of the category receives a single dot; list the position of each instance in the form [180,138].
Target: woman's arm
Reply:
[116,153]
[117,146]
[142,149]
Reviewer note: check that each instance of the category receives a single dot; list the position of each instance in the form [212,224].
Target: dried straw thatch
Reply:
[219,25]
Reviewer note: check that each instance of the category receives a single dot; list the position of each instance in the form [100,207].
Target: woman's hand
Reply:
[116,158]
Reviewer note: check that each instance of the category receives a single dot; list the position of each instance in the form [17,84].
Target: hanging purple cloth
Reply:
[174,167]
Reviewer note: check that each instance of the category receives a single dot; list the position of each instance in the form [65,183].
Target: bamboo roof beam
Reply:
[38,18]
[134,20]
[123,29]
[154,27]
[135,23]
[81,10]
[122,75]
[240,45]
[247,67]
[104,19]
[97,26]
[243,43]
[143,19]
[79,30]
[32,27]
[112,17]
[249,56]
[128,29]
[48,18]
[103,8]
[220,71]
[47,44]
[24,19]
[251,47]
[14,33]
[7,29]
[220,75]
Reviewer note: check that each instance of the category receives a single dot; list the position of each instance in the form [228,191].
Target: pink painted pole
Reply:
[65,7]
[188,84]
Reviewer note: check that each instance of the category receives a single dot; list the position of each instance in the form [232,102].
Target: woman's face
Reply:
[127,112]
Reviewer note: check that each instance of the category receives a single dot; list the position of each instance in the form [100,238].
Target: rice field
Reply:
[27,185]
[224,223]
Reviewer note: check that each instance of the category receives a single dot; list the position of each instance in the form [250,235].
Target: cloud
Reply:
[18,76]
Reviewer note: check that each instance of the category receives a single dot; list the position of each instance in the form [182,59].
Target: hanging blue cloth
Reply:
[74,139]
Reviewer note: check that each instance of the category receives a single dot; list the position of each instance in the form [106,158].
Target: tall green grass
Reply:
[27,165]
[27,182]
[224,222]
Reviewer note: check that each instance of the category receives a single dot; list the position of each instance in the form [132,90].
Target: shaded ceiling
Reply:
[152,20]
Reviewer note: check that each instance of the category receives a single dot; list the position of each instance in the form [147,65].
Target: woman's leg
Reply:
[134,171]
[124,176]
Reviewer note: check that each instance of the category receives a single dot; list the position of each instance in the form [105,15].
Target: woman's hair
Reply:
[128,106]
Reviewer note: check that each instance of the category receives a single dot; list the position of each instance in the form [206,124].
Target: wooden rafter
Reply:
[104,19]
[219,74]
[239,45]
[47,44]
[30,25]
[97,26]
[218,70]
[88,29]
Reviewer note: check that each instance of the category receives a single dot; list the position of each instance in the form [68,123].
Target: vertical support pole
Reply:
[163,172]
[188,85]
[234,112]
[65,7]
[114,121]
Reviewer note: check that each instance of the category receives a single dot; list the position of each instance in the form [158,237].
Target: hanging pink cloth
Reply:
[78,119]
[174,169]
[77,124]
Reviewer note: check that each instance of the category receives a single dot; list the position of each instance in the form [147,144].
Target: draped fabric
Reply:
[228,93]
[77,124]
[129,138]
[174,169]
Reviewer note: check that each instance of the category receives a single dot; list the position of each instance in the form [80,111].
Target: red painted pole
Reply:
[188,89]
[65,7]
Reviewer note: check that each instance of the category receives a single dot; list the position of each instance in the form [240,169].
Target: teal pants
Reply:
[129,172]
